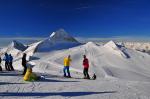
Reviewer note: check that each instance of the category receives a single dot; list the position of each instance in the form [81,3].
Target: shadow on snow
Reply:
[65,94]
[52,80]
[8,74]
[6,83]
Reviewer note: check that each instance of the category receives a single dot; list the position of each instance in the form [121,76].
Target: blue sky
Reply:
[81,18]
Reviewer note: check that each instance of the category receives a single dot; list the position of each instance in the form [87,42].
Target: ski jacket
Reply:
[67,61]
[85,63]
[24,61]
[6,58]
[10,58]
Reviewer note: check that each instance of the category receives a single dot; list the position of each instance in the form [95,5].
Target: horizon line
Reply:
[93,39]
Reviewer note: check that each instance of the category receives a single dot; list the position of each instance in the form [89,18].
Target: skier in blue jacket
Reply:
[6,59]
[10,62]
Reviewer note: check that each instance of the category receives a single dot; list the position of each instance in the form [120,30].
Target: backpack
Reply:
[94,77]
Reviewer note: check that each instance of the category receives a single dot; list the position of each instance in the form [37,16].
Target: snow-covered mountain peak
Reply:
[90,44]
[111,44]
[60,32]
[58,40]
[113,48]
[15,48]
[17,45]
[61,35]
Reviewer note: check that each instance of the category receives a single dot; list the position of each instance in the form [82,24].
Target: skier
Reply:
[10,62]
[0,64]
[29,75]
[24,63]
[67,61]
[6,59]
[86,67]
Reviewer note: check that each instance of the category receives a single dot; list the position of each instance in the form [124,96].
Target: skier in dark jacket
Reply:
[6,59]
[0,64]
[24,63]
[86,67]
[10,62]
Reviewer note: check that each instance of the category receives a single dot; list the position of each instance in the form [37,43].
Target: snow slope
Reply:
[106,61]
[121,74]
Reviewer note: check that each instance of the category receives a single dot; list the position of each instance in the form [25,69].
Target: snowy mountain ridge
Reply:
[57,40]
[141,46]
[114,48]
[18,45]
[105,61]
[15,48]
[107,53]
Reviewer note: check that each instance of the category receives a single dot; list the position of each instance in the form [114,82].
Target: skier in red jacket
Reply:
[86,67]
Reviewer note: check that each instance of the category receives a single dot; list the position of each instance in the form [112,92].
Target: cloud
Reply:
[115,38]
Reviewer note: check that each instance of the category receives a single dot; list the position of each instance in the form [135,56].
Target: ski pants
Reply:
[85,72]
[7,67]
[66,68]
[25,69]
[11,66]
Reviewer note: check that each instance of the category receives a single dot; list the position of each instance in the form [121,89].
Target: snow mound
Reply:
[115,49]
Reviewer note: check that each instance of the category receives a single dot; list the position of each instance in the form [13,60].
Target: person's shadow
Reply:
[6,83]
[45,94]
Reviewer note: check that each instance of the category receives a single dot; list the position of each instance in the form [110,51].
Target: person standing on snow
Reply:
[67,61]
[86,67]
[6,59]
[10,62]
[0,64]
[24,63]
